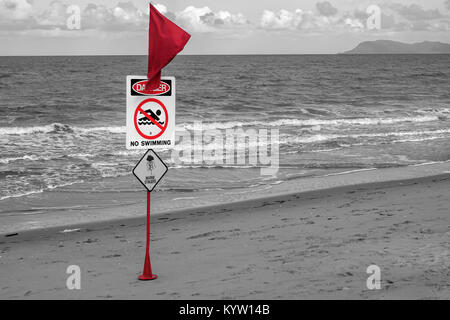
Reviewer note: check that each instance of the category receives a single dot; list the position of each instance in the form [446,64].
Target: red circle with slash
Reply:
[149,117]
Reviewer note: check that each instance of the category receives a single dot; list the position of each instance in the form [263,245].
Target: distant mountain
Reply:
[395,47]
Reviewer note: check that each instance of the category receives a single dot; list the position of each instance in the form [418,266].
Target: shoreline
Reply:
[117,205]
[243,204]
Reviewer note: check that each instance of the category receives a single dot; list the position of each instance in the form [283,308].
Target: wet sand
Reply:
[301,246]
[83,203]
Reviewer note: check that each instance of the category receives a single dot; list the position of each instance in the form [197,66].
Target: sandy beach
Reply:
[306,245]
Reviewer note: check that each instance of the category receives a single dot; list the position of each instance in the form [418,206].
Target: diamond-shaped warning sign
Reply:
[150,170]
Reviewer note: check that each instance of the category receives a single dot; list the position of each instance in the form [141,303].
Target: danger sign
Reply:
[150,115]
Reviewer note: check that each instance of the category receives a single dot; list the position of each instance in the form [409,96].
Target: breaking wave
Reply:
[59,128]
[55,128]
[311,122]
[327,137]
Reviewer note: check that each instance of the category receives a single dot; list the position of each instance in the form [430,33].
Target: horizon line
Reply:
[221,54]
[180,55]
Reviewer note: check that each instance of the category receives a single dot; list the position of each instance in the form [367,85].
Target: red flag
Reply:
[166,40]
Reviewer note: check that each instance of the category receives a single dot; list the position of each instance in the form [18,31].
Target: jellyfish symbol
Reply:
[151,163]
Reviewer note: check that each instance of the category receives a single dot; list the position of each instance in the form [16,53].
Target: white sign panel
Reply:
[150,170]
[150,115]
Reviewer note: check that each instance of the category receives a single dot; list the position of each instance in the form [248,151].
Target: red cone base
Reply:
[145,277]
[147,273]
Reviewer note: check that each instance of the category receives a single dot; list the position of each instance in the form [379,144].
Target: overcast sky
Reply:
[39,27]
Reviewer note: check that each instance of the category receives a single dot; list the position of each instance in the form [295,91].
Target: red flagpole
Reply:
[147,273]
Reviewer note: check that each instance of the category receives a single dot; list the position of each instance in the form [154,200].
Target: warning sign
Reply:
[150,115]
[150,170]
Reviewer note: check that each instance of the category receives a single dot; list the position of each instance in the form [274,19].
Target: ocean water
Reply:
[62,119]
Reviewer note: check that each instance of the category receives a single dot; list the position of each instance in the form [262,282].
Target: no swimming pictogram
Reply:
[151,118]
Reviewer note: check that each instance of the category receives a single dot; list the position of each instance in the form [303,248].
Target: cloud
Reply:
[388,22]
[15,9]
[399,17]
[22,15]
[326,9]
[447,4]
[354,23]
[126,12]
[54,16]
[125,16]
[96,16]
[415,12]
[16,15]
[393,18]
[160,7]
[293,20]
[282,20]
[205,20]
[195,19]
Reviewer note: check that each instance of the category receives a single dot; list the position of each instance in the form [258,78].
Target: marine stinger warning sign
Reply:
[150,115]
[150,170]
